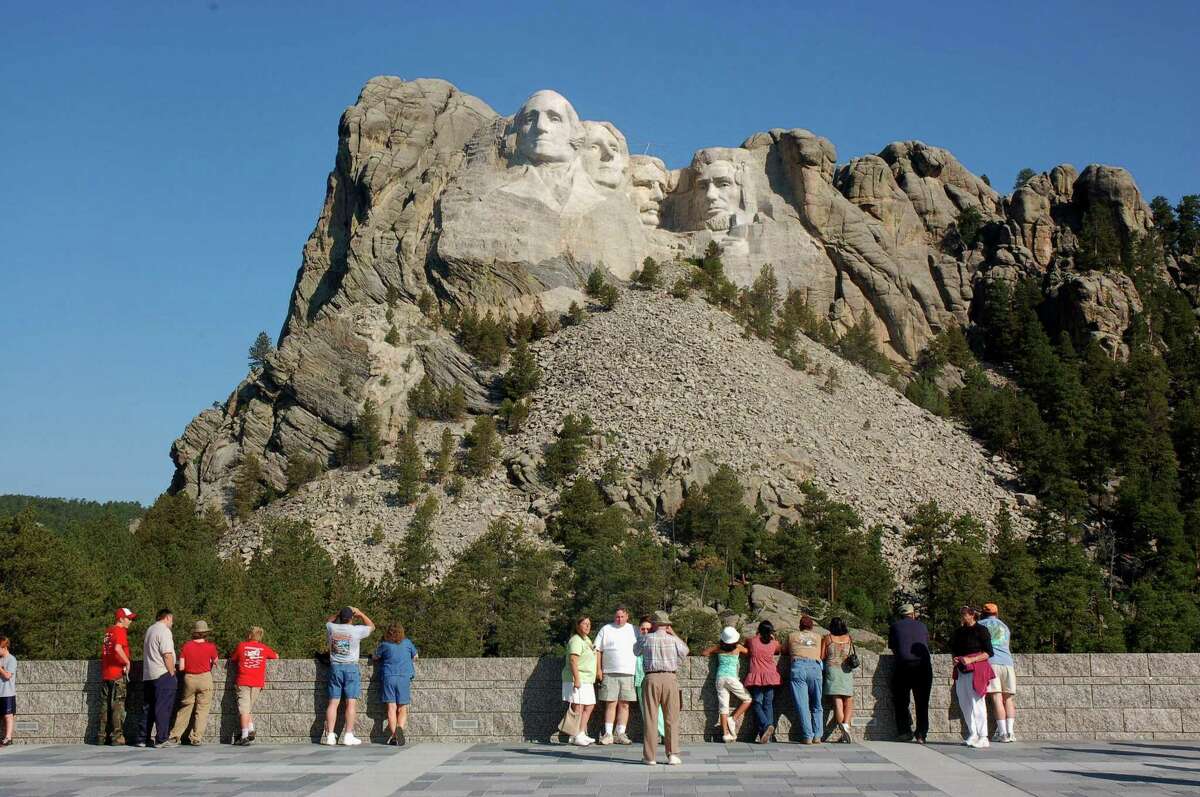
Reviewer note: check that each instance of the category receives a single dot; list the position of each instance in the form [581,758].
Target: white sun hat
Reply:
[729,635]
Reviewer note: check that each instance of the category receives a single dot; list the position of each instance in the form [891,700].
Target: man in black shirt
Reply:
[912,673]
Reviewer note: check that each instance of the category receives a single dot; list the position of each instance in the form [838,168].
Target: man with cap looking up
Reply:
[345,683]
[1003,687]
[912,673]
[114,678]
[662,653]
[196,659]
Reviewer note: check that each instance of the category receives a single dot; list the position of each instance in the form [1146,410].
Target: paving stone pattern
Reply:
[1043,769]
[712,770]
[1096,696]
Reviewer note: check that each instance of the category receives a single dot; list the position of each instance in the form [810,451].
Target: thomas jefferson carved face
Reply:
[548,129]
[717,182]
[649,188]
[603,154]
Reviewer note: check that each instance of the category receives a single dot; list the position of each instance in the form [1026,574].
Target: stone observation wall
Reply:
[1096,696]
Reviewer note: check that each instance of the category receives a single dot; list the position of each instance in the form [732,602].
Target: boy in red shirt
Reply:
[251,659]
[196,659]
[114,678]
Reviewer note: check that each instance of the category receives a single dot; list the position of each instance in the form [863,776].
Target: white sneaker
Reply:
[350,740]
[582,741]
[999,736]
[674,760]
[732,728]
[606,739]
[728,738]
[329,739]
[1010,738]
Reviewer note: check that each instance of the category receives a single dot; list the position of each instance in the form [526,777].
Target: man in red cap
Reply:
[114,675]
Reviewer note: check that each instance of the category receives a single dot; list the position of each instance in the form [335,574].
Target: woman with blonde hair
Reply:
[395,656]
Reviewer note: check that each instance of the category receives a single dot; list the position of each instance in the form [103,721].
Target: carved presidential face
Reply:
[547,127]
[717,183]
[603,155]
[649,187]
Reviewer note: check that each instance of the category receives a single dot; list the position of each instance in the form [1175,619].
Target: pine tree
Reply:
[291,575]
[859,345]
[523,374]
[410,469]
[1023,176]
[363,445]
[595,283]
[445,460]
[565,454]
[514,415]
[650,275]
[758,303]
[715,516]
[248,488]
[483,448]
[1099,240]
[260,350]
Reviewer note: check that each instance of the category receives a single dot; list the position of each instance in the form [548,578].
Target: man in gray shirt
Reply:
[158,681]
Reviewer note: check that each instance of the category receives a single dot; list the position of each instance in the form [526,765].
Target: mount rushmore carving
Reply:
[436,194]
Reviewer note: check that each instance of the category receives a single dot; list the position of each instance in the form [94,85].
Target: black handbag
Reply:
[853,662]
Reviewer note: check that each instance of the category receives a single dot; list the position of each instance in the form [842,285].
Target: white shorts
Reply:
[727,686]
[1004,681]
[585,695]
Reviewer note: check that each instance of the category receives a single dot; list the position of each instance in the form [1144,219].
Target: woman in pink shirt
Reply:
[763,679]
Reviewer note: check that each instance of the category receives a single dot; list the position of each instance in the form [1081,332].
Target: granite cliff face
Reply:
[435,194]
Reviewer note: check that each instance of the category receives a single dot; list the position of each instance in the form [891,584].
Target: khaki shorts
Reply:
[727,686]
[617,687]
[247,697]
[1004,681]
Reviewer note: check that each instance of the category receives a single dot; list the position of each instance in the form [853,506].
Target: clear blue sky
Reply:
[163,162]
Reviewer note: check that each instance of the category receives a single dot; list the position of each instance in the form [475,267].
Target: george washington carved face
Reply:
[548,129]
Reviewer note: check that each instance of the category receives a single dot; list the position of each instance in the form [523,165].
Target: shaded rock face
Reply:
[434,193]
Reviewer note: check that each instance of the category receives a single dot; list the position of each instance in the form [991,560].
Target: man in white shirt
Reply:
[615,666]
[345,683]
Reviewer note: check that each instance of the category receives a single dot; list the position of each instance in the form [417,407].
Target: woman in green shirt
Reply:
[579,678]
[729,657]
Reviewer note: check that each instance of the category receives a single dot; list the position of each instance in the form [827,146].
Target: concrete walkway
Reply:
[1059,769]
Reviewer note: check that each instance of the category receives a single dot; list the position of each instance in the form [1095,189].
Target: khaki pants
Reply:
[197,690]
[661,690]
[112,711]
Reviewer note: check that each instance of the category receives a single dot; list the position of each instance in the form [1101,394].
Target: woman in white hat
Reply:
[729,654]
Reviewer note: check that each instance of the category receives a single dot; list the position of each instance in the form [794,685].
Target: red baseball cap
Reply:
[124,613]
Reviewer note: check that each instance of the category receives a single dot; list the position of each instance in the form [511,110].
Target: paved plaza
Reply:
[879,769]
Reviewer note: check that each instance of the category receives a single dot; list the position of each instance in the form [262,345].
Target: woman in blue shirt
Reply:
[394,657]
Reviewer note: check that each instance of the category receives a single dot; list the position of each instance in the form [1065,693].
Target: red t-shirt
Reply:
[111,667]
[198,656]
[251,660]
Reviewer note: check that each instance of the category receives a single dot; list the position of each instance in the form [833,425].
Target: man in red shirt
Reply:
[251,658]
[114,678]
[196,659]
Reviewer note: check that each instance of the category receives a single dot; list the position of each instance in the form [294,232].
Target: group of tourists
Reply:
[641,666]
[621,666]
[188,677]
[983,668]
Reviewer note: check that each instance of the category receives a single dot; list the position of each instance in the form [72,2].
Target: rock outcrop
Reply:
[440,203]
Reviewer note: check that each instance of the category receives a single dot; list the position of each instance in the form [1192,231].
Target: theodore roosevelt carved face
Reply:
[548,129]
[649,178]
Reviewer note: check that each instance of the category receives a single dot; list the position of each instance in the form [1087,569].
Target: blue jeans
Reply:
[806,693]
[764,705]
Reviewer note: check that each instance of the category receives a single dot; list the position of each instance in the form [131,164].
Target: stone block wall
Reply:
[1096,696]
